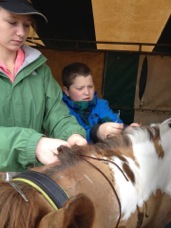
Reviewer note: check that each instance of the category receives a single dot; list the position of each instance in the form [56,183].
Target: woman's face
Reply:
[14,29]
[82,89]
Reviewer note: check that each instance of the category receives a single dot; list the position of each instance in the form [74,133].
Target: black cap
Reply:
[21,7]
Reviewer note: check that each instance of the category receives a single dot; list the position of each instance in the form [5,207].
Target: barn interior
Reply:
[126,44]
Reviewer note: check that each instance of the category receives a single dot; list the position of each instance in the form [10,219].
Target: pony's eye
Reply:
[170,125]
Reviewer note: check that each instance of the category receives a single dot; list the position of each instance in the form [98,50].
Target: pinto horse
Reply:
[121,182]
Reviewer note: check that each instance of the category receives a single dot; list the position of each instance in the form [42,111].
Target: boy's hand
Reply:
[109,129]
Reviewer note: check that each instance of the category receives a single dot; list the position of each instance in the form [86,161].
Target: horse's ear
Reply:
[78,211]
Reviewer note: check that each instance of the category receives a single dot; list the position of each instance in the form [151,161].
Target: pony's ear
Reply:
[78,211]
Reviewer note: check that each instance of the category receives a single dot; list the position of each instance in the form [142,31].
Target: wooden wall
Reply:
[58,59]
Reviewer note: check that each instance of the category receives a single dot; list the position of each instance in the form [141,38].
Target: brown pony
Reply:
[121,182]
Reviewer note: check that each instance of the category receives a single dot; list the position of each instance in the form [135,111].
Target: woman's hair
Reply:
[73,70]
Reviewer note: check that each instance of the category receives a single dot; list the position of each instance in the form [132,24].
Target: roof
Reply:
[142,25]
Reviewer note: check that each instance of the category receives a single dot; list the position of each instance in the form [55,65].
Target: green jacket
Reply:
[31,107]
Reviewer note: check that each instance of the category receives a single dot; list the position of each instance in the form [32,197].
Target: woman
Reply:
[34,121]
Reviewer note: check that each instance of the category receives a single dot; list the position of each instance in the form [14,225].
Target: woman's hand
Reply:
[46,150]
[77,139]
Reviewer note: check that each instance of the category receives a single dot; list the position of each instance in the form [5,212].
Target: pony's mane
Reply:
[70,156]
[143,132]
[117,146]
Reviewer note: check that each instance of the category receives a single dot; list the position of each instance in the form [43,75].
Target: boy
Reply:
[93,113]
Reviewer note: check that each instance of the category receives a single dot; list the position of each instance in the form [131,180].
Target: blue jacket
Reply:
[97,112]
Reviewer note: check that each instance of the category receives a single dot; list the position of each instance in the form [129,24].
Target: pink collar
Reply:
[18,63]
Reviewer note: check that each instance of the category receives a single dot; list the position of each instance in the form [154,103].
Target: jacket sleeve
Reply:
[58,123]
[17,151]
[106,114]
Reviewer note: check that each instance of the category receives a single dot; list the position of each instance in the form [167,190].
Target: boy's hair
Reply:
[71,71]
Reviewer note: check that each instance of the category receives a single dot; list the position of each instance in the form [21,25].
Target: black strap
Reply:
[52,189]
[143,78]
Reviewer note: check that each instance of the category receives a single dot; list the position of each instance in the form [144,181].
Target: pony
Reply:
[123,181]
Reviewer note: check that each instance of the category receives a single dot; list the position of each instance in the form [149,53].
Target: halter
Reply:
[54,194]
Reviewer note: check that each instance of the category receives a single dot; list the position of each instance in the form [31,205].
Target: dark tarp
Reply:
[120,83]
[67,20]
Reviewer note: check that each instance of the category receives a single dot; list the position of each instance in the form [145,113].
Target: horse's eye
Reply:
[170,125]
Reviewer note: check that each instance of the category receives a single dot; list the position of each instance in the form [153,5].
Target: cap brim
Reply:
[24,9]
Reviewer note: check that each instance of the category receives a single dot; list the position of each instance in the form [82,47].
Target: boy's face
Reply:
[82,89]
